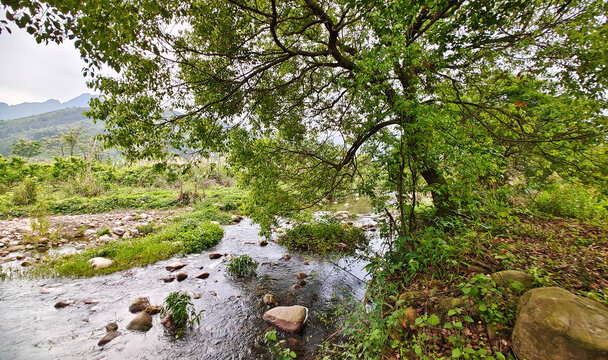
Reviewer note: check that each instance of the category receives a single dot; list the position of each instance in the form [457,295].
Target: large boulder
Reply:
[553,323]
[288,318]
[142,322]
[504,278]
[100,263]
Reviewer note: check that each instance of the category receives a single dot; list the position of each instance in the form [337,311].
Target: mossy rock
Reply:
[553,323]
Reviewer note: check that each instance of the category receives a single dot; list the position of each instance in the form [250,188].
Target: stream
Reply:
[231,325]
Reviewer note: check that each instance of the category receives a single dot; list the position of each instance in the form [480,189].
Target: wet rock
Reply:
[46,290]
[175,266]
[269,299]
[153,309]
[112,326]
[503,279]
[26,263]
[118,231]
[287,318]
[61,304]
[213,293]
[215,256]
[141,322]
[109,336]
[20,257]
[181,276]
[262,242]
[301,275]
[100,263]
[91,302]
[286,257]
[552,323]
[202,275]
[301,282]
[297,286]
[169,278]
[236,219]
[197,296]
[15,248]
[306,263]
[140,304]
[80,247]
[167,321]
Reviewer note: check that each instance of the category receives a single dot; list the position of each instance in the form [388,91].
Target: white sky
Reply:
[32,72]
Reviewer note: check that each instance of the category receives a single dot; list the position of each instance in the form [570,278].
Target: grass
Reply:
[182,236]
[242,266]
[324,237]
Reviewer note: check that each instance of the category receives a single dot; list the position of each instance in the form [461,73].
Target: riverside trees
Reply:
[306,93]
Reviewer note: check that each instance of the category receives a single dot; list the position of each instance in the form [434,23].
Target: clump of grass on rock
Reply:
[324,237]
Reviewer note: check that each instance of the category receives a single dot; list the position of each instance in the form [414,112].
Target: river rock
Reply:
[287,318]
[26,263]
[269,299]
[301,275]
[61,304]
[175,266]
[202,275]
[90,232]
[20,257]
[215,256]
[286,256]
[141,322]
[153,309]
[140,304]
[112,326]
[504,278]
[553,323]
[109,336]
[118,231]
[169,278]
[167,321]
[100,263]
[181,276]
[262,242]
[104,239]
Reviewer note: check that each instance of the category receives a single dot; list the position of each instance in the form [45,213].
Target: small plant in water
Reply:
[242,266]
[276,348]
[179,306]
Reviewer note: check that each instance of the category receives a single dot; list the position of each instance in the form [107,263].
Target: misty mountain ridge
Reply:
[10,112]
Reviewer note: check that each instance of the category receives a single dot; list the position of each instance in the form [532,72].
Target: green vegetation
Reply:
[324,237]
[179,306]
[277,348]
[242,266]
[186,234]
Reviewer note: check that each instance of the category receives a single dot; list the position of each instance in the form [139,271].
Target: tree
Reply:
[306,92]
[26,148]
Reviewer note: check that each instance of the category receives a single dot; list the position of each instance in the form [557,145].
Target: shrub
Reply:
[179,305]
[572,201]
[25,193]
[197,236]
[323,237]
[242,266]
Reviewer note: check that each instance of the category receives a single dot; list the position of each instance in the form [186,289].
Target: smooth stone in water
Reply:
[301,275]
[140,304]
[215,256]
[61,304]
[168,279]
[109,336]
[202,275]
[270,299]
[181,276]
[175,266]
[112,326]
[141,322]
[287,318]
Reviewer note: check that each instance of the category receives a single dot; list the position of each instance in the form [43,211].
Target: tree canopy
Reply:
[306,93]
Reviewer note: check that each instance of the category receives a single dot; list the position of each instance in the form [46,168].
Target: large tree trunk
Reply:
[439,191]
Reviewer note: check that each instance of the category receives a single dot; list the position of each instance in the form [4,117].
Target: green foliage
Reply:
[26,149]
[183,313]
[197,236]
[104,231]
[25,193]
[276,347]
[324,237]
[208,211]
[496,305]
[242,266]
[158,199]
[573,201]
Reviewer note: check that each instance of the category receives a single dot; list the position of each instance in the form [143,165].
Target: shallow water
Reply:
[231,325]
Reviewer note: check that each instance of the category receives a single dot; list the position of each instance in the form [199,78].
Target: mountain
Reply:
[9,112]
[45,125]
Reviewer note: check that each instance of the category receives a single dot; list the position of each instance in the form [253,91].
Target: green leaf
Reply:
[451,312]
[456,353]
[483,307]
[433,320]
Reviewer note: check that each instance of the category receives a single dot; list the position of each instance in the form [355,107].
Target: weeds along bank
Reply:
[75,186]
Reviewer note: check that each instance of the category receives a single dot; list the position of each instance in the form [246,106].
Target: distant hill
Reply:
[44,125]
[9,112]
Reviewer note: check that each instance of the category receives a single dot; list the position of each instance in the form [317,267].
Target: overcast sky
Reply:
[32,72]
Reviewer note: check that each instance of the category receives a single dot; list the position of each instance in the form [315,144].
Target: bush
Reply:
[324,237]
[571,201]
[25,193]
[179,305]
[197,237]
[242,266]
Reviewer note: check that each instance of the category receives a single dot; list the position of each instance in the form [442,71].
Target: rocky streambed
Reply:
[231,325]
